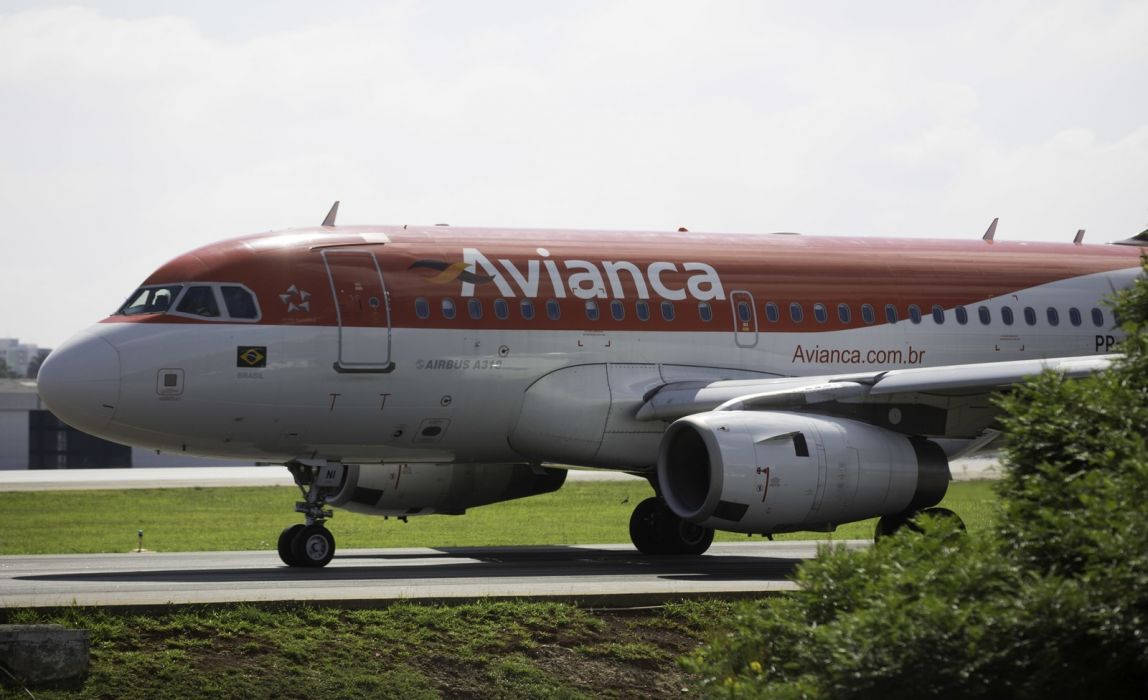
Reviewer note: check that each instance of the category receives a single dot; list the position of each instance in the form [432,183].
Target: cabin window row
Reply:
[616,309]
[939,314]
[501,308]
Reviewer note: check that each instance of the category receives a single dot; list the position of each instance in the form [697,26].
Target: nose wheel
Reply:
[312,544]
[654,529]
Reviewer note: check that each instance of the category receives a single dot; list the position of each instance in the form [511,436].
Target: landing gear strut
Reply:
[654,529]
[312,544]
[891,524]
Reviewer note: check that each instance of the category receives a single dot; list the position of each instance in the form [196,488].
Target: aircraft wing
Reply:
[939,387]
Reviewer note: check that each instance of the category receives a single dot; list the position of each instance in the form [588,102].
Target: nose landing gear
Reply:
[312,544]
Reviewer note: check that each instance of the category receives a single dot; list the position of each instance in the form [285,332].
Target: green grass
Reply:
[503,649]
[202,519]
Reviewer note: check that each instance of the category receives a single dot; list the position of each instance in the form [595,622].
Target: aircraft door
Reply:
[363,309]
[744,319]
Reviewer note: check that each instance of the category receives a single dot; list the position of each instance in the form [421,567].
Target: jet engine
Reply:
[422,489]
[768,472]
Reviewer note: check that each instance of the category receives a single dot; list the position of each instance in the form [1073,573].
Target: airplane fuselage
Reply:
[389,344]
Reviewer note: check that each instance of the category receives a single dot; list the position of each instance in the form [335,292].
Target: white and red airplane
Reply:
[762,383]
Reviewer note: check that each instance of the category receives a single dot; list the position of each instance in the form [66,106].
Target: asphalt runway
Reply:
[604,575]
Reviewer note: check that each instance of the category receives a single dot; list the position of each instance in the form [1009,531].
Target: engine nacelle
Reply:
[767,472]
[423,489]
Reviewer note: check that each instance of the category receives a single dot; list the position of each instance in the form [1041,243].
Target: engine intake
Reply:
[768,472]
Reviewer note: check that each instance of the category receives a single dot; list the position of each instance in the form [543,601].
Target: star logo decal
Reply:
[296,299]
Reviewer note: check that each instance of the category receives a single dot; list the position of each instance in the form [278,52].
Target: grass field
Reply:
[202,519]
[502,650]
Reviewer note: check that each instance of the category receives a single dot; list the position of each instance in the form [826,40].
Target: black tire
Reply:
[313,546]
[948,514]
[692,539]
[889,525]
[647,526]
[655,530]
[285,539]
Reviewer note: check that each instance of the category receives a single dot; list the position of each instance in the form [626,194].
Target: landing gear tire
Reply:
[285,539]
[889,525]
[312,546]
[655,530]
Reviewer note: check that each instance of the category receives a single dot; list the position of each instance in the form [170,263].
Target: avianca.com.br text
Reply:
[817,355]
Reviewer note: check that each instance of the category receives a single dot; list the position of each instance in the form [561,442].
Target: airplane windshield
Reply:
[149,300]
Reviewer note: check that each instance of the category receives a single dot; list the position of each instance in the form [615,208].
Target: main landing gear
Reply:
[654,529]
[312,544]
[890,524]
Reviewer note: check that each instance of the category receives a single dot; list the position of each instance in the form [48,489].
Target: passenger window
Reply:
[938,315]
[1074,316]
[1097,317]
[795,312]
[422,308]
[843,313]
[706,314]
[448,309]
[867,313]
[985,316]
[553,310]
[820,313]
[1030,315]
[961,314]
[150,300]
[501,309]
[240,303]
[667,311]
[199,301]
[617,310]
[1006,315]
[592,310]
[890,313]
[474,308]
[771,312]
[642,310]
[743,311]
[914,313]
[526,308]
[1053,317]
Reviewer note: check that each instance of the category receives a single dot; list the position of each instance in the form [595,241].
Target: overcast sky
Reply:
[133,131]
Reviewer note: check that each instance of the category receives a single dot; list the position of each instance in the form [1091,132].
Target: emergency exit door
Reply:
[744,319]
[363,310]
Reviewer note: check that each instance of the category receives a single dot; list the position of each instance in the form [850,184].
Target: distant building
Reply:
[31,437]
[17,355]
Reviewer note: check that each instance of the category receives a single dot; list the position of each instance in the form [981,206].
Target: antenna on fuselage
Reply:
[330,220]
[1079,238]
[992,230]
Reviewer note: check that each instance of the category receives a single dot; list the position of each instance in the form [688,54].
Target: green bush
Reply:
[1054,603]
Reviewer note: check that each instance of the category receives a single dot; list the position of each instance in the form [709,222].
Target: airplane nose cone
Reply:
[80,382]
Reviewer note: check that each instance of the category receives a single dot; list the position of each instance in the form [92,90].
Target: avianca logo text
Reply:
[582,278]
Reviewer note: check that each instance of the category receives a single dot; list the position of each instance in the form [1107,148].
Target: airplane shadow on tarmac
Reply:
[477,563]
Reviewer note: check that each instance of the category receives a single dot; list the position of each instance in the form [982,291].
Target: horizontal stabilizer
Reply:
[1140,239]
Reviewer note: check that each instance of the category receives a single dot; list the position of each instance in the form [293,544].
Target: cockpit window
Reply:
[240,302]
[199,301]
[150,300]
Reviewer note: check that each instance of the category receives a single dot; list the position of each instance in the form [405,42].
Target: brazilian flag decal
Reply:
[251,356]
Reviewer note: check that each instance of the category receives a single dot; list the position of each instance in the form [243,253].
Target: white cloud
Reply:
[128,137]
